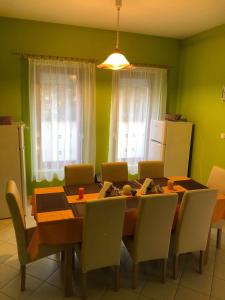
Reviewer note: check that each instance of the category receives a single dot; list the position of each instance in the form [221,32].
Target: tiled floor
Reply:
[44,276]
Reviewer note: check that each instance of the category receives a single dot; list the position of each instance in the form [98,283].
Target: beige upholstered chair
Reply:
[23,235]
[153,230]
[193,225]
[102,234]
[79,174]
[216,180]
[115,171]
[150,169]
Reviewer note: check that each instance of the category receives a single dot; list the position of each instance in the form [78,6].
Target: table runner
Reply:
[190,184]
[161,180]
[51,202]
[88,188]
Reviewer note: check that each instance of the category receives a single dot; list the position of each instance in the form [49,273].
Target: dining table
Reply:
[59,214]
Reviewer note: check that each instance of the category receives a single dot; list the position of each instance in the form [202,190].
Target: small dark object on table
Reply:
[133,192]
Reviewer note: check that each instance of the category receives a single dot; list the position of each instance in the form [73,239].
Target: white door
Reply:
[158,131]
[157,151]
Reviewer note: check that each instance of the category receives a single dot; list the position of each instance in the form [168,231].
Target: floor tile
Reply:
[141,297]
[159,291]
[192,264]
[2,225]
[7,233]
[4,297]
[98,281]
[220,256]
[13,261]
[184,293]
[42,268]
[198,282]
[93,292]
[219,270]
[73,297]
[7,250]
[218,288]
[56,279]
[12,289]
[126,277]
[46,292]
[6,222]
[7,273]
[55,257]
[100,278]
[182,263]
[120,295]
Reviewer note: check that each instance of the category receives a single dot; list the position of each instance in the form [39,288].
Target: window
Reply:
[62,107]
[138,97]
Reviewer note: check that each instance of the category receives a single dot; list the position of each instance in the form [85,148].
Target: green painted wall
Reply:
[202,76]
[62,40]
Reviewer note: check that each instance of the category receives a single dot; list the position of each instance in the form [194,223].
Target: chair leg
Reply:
[218,238]
[201,260]
[84,286]
[68,271]
[175,266]
[117,278]
[73,260]
[23,277]
[164,270]
[207,247]
[134,276]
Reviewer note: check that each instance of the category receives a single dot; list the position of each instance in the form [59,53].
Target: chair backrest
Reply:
[16,209]
[102,233]
[194,220]
[116,171]
[150,169]
[153,227]
[79,174]
[217,179]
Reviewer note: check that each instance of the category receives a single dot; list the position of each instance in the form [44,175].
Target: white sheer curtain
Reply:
[62,115]
[138,96]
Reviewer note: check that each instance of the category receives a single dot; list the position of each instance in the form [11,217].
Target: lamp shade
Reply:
[115,61]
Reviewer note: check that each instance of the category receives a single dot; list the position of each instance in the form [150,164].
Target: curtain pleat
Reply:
[138,97]
[62,116]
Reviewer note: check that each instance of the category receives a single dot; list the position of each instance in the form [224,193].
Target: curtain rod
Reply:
[151,65]
[91,60]
[43,56]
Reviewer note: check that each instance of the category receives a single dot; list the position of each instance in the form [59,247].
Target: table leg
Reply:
[68,271]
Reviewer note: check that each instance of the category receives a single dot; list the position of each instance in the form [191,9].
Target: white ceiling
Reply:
[169,18]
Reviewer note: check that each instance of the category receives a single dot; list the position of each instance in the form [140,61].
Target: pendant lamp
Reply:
[116,60]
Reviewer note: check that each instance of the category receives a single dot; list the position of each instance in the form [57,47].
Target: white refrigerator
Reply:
[12,163]
[170,143]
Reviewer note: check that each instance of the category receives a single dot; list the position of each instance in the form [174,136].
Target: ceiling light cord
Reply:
[118,25]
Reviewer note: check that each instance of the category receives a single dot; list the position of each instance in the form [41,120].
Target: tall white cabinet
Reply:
[12,163]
